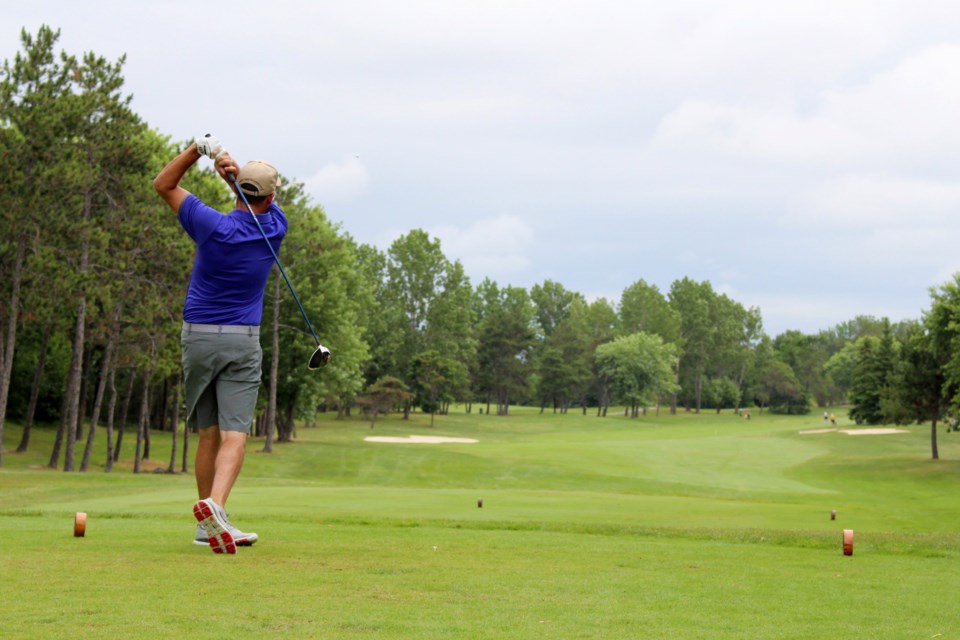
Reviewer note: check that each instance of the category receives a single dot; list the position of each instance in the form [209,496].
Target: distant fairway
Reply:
[688,526]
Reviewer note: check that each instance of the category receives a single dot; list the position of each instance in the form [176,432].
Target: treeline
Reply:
[95,269]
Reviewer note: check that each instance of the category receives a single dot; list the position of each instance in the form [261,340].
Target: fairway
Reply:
[688,526]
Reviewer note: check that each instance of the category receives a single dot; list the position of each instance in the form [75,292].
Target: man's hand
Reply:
[227,167]
[209,146]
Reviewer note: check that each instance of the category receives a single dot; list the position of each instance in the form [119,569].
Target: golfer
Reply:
[220,339]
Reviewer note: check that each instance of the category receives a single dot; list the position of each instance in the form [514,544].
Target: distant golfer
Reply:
[220,339]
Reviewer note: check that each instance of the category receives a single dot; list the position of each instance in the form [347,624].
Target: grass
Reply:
[688,526]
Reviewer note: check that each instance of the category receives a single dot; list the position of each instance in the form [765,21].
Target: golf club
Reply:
[321,356]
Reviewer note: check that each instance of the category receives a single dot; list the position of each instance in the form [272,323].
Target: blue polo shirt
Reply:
[232,263]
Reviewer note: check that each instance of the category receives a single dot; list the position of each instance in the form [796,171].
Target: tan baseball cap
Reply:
[258,178]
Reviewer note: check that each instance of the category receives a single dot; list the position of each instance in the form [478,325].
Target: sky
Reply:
[802,157]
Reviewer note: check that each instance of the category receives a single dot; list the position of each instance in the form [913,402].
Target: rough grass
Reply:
[672,526]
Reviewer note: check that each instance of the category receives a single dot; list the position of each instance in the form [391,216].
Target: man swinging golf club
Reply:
[220,338]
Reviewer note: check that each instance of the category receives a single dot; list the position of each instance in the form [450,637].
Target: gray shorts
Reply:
[221,376]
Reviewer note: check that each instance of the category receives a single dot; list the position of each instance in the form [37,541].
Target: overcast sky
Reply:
[801,156]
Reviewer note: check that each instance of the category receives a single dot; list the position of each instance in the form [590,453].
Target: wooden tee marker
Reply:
[848,542]
[80,525]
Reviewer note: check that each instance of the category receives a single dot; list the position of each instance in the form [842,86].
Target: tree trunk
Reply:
[74,379]
[698,390]
[35,388]
[146,430]
[274,368]
[934,452]
[84,391]
[108,466]
[124,412]
[74,413]
[58,441]
[285,424]
[106,379]
[174,423]
[9,345]
[142,422]
[105,374]
[185,459]
[288,422]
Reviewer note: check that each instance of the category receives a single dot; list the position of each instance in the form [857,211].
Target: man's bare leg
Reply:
[205,463]
[228,464]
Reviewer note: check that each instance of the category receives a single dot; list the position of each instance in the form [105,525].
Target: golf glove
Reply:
[209,146]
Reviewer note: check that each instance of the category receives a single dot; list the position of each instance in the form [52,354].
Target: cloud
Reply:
[810,313]
[871,201]
[338,182]
[496,247]
[900,117]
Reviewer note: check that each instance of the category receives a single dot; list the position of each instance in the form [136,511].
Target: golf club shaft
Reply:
[276,259]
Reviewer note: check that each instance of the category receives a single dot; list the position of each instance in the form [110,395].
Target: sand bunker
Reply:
[857,432]
[873,432]
[421,440]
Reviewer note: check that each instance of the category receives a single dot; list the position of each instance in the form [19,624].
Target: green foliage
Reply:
[778,388]
[875,373]
[716,338]
[320,260]
[423,309]
[639,367]
[721,393]
[644,308]
[942,322]
[385,395]
[505,344]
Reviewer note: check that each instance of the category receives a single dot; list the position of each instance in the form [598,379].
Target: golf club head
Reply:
[319,358]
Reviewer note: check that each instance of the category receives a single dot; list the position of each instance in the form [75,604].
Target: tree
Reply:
[932,354]
[639,368]
[839,368]
[874,372]
[919,392]
[721,393]
[644,308]
[449,340]
[717,337]
[691,300]
[779,388]
[552,304]
[563,355]
[505,342]
[384,395]
[599,326]
[431,297]
[322,263]
[382,316]
[807,356]
[33,128]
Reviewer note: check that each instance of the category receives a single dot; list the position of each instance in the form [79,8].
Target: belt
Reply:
[247,329]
